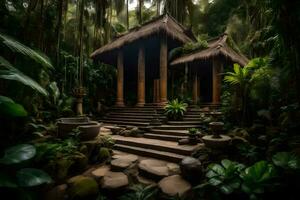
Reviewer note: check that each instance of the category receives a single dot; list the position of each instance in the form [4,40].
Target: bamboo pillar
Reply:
[217,80]
[141,77]
[195,88]
[120,77]
[163,70]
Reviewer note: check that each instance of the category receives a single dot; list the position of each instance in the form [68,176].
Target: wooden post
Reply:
[217,80]
[195,88]
[156,98]
[141,77]
[120,77]
[186,74]
[163,70]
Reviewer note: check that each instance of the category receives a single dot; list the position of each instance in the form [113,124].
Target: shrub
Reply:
[175,109]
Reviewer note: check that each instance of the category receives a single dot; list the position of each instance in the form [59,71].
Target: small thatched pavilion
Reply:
[206,68]
[141,57]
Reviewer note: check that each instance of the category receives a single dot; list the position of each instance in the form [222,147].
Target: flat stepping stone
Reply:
[145,181]
[114,180]
[120,164]
[101,171]
[129,157]
[154,169]
[174,185]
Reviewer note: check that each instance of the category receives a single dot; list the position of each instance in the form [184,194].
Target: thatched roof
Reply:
[216,47]
[162,24]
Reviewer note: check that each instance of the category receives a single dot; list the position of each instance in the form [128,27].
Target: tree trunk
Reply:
[158,7]
[31,7]
[41,26]
[140,19]
[81,12]
[127,14]
[58,28]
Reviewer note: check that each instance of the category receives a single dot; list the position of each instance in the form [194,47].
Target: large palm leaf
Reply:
[8,72]
[26,51]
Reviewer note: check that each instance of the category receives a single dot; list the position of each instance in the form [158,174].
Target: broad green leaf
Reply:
[226,163]
[218,169]
[5,99]
[18,153]
[226,189]
[9,109]
[30,177]
[286,160]
[12,73]
[7,181]
[215,181]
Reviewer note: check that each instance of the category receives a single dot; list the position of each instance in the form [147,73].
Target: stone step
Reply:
[191,118]
[171,157]
[138,124]
[184,122]
[191,115]
[155,144]
[136,109]
[133,113]
[127,119]
[173,138]
[169,132]
[178,127]
[139,116]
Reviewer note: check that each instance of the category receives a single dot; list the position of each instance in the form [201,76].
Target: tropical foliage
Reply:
[175,109]
[17,177]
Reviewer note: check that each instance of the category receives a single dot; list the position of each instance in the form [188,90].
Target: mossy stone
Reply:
[82,188]
[80,161]
[104,154]
[83,149]
[62,167]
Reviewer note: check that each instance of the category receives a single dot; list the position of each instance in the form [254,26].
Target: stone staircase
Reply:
[164,150]
[159,142]
[133,116]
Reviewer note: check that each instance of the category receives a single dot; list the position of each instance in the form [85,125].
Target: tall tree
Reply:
[59,5]
[139,11]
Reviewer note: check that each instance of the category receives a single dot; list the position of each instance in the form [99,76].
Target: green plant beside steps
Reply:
[175,109]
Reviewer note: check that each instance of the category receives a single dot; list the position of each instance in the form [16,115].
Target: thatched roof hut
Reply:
[162,24]
[216,47]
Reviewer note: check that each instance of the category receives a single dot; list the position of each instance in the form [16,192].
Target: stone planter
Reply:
[221,142]
[89,132]
[66,125]
[216,140]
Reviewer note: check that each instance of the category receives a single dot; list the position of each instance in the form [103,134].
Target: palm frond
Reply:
[26,51]
[11,73]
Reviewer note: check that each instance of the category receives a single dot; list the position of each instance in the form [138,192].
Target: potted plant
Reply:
[193,135]
[175,109]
